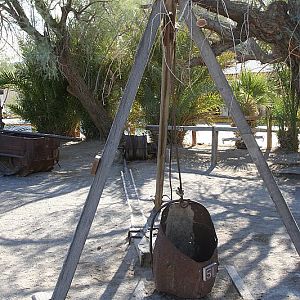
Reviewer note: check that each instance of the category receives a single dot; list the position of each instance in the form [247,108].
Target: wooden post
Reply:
[2,102]
[166,92]
[214,146]
[225,90]
[93,198]
[1,122]
[194,138]
[269,129]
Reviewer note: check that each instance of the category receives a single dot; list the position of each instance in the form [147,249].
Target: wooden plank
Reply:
[141,241]
[137,216]
[38,134]
[239,138]
[168,31]
[93,198]
[235,111]
[269,129]
[194,138]
[95,164]
[214,146]
[204,128]
[142,248]
[239,283]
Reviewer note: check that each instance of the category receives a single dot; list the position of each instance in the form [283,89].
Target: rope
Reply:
[179,190]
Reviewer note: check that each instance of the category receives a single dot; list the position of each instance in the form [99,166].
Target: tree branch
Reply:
[235,10]
[277,25]
[221,28]
[65,10]
[45,14]
[83,9]
[261,55]
[254,52]
[14,9]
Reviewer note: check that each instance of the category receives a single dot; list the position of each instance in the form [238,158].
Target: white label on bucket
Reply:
[210,271]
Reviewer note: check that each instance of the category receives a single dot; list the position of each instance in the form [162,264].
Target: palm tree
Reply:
[195,96]
[252,92]
[286,110]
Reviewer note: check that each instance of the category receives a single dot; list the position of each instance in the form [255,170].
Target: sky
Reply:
[9,49]
[10,52]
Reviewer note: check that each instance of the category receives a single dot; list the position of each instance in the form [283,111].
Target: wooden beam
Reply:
[168,31]
[204,128]
[214,146]
[235,111]
[239,283]
[269,129]
[93,198]
[194,138]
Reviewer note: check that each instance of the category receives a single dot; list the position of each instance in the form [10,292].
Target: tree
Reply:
[251,90]
[41,100]
[268,31]
[285,109]
[66,24]
[195,96]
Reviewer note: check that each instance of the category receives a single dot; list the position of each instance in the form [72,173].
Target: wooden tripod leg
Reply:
[226,92]
[93,198]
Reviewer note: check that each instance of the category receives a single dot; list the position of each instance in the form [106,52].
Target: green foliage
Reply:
[6,66]
[42,55]
[104,53]
[195,96]
[251,90]
[42,101]
[286,109]
[99,46]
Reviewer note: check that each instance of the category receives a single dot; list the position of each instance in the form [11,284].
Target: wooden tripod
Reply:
[141,59]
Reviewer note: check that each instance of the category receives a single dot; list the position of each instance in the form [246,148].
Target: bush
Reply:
[44,102]
[286,109]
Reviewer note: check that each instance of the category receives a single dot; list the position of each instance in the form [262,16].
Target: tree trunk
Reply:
[79,89]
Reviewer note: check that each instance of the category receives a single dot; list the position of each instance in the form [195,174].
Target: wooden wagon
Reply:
[23,153]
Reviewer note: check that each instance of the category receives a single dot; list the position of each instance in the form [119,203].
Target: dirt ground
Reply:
[39,213]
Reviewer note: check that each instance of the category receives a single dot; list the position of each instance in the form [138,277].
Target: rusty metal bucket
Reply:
[185,259]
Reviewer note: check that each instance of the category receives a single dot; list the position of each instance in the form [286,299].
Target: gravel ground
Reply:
[39,213]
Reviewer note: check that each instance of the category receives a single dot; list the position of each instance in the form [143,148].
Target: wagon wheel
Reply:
[7,166]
